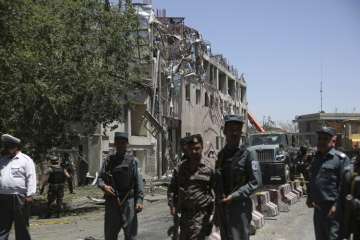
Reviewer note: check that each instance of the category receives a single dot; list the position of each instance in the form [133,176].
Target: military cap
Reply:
[53,158]
[327,130]
[8,139]
[185,140]
[196,138]
[234,118]
[121,135]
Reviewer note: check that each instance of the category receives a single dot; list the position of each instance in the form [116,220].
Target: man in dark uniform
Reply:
[195,199]
[55,176]
[303,161]
[350,193]
[325,175]
[237,177]
[172,192]
[123,187]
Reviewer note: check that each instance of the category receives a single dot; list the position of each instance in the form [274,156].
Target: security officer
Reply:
[195,199]
[17,186]
[172,192]
[237,177]
[55,176]
[69,167]
[325,174]
[301,159]
[122,185]
[350,194]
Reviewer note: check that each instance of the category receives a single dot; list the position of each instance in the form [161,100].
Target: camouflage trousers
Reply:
[195,224]
[55,192]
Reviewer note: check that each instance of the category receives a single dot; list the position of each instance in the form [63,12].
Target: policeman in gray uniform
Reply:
[122,185]
[237,176]
[326,170]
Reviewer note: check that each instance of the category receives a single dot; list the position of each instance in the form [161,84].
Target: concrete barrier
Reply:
[298,187]
[258,219]
[294,190]
[275,197]
[265,206]
[286,195]
[303,184]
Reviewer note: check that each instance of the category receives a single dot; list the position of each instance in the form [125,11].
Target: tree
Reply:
[62,62]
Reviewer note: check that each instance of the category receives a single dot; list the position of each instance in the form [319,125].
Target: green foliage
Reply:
[62,61]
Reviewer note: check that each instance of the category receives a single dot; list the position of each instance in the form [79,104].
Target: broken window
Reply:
[243,92]
[211,74]
[222,82]
[231,88]
[198,96]
[187,92]
[217,143]
[206,100]
[211,100]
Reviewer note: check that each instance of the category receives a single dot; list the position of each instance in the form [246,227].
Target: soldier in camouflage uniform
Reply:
[172,192]
[194,190]
[55,176]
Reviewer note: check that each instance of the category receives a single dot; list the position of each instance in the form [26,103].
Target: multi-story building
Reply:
[347,126]
[186,90]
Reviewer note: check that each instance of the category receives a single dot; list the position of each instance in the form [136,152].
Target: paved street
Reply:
[293,225]
[155,220]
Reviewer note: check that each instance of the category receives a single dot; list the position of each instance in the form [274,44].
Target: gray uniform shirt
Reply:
[325,176]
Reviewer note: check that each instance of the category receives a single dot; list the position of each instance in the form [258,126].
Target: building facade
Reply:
[347,126]
[186,89]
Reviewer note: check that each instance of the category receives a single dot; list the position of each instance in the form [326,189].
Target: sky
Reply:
[284,48]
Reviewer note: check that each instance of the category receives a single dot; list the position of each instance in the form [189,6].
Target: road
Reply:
[155,221]
[294,225]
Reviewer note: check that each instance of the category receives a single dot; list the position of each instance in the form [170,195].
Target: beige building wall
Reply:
[204,103]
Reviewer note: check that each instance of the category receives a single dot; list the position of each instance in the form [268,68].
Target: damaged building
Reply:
[186,90]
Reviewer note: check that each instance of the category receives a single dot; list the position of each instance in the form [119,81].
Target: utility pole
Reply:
[321,96]
[321,89]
